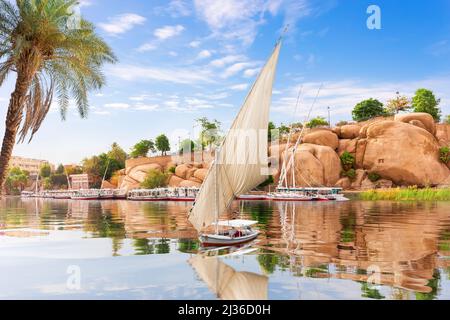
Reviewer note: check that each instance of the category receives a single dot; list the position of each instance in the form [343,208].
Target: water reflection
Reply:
[227,283]
[404,246]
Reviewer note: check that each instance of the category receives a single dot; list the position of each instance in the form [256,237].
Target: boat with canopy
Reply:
[240,165]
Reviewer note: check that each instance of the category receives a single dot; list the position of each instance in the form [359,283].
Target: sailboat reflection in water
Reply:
[227,283]
[241,164]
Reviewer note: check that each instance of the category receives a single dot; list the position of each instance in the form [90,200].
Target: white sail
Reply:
[228,284]
[242,162]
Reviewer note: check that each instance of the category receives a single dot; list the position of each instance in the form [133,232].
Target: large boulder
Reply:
[139,173]
[175,181]
[344,183]
[443,134]
[402,153]
[189,184]
[360,176]
[350,131]
[425,119]
[348,145]
[322,138]
[129,183]
[182,170]
[316,166]
[201,174]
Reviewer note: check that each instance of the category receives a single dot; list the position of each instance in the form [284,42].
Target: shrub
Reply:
[368,109]
[155,179]
[266,183]
[351,174]
[348,160]
[172,170]
[317,122]
[444,154]
[374,177]
[341,123]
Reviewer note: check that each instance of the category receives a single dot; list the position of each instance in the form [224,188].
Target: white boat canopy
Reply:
[236,223]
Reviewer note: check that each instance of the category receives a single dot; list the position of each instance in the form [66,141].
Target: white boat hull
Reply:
[221,240]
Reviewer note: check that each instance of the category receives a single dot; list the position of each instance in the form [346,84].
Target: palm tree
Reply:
[50,56]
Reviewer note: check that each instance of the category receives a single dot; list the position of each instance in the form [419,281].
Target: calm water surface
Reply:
[58,249]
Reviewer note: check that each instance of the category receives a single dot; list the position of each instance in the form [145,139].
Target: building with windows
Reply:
[79,181]
[31,165]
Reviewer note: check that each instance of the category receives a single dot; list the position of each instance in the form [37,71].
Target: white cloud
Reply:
[173,54]
[102,113]
[204,54]
[222,62]
[239,20]
[239,87]
[117,105]
[174,75]
[231,19]
[194,44]
[343,95]
[167,32]
[236,68]
[249,73]
[85,3]
[122,23]
[147,47]
[146,107]
[178,8]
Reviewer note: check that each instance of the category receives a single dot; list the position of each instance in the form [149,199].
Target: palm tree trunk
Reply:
[13,120]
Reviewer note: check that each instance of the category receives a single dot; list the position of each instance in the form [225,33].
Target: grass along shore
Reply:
[407,194]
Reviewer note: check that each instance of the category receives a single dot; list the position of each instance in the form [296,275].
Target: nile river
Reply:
[63,249]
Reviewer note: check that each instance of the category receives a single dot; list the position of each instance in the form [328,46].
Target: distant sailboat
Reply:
[235,170]
[228,284]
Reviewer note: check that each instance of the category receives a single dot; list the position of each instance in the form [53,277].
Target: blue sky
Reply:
[180,60]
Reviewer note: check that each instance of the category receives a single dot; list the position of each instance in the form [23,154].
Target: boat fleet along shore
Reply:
[187,194]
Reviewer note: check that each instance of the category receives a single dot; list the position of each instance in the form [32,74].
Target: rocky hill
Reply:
[401,150]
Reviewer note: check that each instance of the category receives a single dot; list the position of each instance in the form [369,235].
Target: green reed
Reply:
[407,194]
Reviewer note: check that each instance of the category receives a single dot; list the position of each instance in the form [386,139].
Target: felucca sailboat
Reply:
[240,165]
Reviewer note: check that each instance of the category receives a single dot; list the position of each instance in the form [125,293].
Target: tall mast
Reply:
[292,158]
[289,136]
[216,190]
[104,176]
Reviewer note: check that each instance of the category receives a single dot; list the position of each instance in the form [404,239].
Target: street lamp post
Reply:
[329,117]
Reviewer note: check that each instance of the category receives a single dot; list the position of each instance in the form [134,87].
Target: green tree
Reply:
[210,133]
[162,144]
[16,180]
[425,101]
[117,154]
[187,146]
[58,181]
[45,170]
[272,134]
[142,148]
[49,56]
[283,129]
[155,179]
[60,169]
[317,122]
[368,109]
[93,167]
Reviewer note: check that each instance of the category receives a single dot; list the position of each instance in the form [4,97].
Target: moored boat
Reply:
[89,194]
[120,193]
[106,194]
